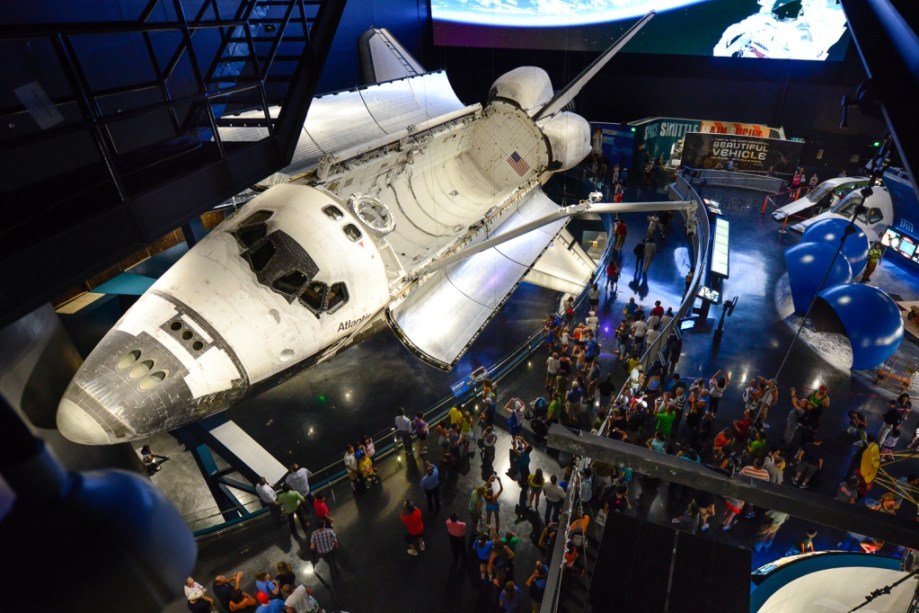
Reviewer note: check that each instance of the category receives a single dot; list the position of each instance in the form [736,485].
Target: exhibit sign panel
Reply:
[613,141]
[748,153]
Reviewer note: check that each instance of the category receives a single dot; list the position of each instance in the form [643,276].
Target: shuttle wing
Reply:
[439,320]
[564,267]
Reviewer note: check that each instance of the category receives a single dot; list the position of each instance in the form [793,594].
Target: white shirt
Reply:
[592,322]
[552,365]
[301,602]
[653,322]
[403,424]
[553,491]
[191,588]
[639,329]
[299,481]
[665,320]
[266,493]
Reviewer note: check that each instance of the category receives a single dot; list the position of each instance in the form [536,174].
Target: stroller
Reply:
[537,414]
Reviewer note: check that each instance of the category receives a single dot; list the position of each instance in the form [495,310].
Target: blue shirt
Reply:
[483,552]
[429,482]
[575,395]
[265,586]
[274,606]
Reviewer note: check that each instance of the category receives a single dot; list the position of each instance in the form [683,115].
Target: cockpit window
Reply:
[338,295]
[253,228]
[352,232]
[290,284]
[313,296]
[332,212]
[260,255]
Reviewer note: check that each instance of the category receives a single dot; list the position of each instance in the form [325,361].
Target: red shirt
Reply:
[456,528]
[321,508]
[413,522]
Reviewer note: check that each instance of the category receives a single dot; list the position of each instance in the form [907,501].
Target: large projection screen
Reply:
[766,29]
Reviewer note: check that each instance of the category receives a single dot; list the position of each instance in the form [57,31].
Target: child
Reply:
[888,445]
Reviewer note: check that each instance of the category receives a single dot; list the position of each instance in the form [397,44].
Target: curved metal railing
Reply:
[681,189]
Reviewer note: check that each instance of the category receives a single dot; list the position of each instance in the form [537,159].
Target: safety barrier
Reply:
[732,178]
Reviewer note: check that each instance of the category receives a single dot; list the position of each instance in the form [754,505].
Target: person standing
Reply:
[510,597]
[421,430]
[653,221]
[324,543]
[555,496]
[223,588]
[457,531]
[430,483]
[650,252]
[639,252]
[404,430]
[299,480]
[874,258]
[772,521]
[269,499]
[292,504]
[620,231]
[414,525]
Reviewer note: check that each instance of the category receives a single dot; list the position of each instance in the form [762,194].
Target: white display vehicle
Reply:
[401,207]
[874,220]
[820,199]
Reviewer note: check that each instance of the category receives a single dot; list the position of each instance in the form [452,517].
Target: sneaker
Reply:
[421,546]
[803,485]
[750,515]
[727,527]
[483,576]
[704,528]
[412,551]
[766,426]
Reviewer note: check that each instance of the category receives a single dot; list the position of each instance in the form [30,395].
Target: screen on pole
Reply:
[773,29]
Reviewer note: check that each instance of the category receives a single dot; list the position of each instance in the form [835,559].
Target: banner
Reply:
[749,153]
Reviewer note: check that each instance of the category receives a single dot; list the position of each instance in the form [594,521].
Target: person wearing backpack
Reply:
[537,585]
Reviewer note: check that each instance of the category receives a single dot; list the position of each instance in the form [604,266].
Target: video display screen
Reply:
[772,29]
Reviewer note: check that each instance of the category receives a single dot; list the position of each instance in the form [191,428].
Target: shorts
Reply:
[492,506]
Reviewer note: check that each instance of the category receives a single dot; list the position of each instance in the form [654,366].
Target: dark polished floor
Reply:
[377,573]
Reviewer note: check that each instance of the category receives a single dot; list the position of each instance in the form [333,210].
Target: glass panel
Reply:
[257,217]
[249,235]
[313,296]
[352,232]
[332,212]
[260,256]
[338,295]
[291,283]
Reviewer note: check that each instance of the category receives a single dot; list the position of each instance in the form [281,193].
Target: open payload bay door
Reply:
[564,267]
[439,320]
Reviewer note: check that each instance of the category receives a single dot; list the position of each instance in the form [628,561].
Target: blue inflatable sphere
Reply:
[866,315]
[829,231]
[807,263]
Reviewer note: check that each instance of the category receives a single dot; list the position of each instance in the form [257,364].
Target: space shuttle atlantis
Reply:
[401,206]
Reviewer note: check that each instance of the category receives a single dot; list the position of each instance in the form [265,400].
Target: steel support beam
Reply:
[802,504]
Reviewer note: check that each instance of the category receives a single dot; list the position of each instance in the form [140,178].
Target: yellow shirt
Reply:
[456,416]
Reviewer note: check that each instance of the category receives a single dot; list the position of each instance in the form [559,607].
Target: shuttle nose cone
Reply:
[79,426]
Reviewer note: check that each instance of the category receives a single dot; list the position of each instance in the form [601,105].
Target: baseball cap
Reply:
[195,595]
[263,597]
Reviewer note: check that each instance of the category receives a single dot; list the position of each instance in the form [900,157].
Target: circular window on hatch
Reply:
[372,213]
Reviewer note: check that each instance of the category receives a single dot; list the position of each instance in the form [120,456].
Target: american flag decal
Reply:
[518,163]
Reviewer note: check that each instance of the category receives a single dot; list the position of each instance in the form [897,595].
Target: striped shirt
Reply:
[323,540]
[756,473]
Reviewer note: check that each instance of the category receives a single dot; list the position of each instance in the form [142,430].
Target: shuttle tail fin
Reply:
[383,58]
[571,90]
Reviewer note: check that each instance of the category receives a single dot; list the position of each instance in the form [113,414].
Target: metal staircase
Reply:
[109,139]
